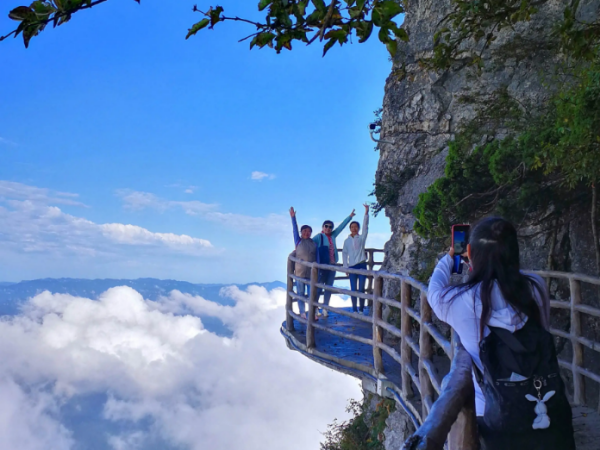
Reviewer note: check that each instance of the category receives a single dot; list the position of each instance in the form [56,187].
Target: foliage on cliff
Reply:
[549,161]
[283,21]
[364,431]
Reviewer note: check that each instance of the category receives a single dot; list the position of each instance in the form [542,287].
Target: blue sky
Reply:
[127,151]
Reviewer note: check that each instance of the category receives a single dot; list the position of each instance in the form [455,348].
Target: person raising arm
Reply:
[354,257]
[327,254]
[306,250]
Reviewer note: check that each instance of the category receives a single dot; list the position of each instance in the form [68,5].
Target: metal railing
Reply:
[443,406]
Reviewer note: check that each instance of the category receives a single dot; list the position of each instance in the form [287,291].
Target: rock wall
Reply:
[423,109]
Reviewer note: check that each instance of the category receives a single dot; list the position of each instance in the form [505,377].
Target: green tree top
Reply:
[285,21]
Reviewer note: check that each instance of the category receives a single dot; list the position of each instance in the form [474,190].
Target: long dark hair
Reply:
[495,258]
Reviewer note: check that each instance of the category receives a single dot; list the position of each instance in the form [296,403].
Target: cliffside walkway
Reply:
[417,360]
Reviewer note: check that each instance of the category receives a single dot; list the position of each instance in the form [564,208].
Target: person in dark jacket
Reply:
[327,247]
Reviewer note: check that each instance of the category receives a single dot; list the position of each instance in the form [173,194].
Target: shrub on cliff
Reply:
[364,431]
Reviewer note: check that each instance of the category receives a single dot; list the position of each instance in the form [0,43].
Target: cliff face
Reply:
[423,109]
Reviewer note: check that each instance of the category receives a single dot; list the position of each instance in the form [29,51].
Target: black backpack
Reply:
[524,403]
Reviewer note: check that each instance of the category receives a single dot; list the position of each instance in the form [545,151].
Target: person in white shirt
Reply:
[354,257]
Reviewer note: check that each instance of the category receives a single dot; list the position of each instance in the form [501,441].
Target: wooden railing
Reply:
[444,409]
[371,266]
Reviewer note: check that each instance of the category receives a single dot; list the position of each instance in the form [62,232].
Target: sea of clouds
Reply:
[122,373]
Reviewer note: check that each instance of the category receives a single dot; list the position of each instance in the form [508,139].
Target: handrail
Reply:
[446,412]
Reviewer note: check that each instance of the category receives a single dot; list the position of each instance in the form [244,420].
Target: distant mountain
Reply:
[12,295]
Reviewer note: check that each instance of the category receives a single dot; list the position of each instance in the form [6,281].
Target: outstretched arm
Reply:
[365,227]
[342,225]
[295,226]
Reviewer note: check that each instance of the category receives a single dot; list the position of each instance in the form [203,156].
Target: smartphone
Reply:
[460,239]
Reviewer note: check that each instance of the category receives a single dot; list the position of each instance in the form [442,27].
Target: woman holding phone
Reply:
[502,318]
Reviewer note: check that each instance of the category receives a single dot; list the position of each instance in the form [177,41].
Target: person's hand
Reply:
[451,253]
[366,205]
[292,212]
[352,214]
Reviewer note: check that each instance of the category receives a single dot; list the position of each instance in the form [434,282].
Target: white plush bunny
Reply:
[542,420]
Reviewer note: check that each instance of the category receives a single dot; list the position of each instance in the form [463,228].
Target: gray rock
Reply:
[423,109]
[398,428]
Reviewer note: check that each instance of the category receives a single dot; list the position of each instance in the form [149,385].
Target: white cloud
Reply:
[134,235]
[186,189]
[29,224]
[19,191]
[191,386]
[268,225]
[28,419]
[259,176]
[272,224]
[4,141]
[137,201]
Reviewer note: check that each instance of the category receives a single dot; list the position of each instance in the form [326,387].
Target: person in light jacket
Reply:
[306,250]
[354,257]
[497,294]
[327,253]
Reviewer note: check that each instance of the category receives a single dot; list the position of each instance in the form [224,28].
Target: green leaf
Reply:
[384,35]
[197,27]
[20,13]
[263,4]
[392,47]
[364,30]
[215,15]
[401,34]
[328,45]
[389,9]
[340,35]
[263,39]
[319,5]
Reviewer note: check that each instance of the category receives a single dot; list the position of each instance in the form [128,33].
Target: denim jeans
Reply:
[357,283]
[326,277]
[300,288]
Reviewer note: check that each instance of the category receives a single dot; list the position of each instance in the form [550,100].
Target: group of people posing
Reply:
[322,249]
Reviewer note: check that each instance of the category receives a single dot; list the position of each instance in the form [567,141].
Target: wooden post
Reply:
[426,351]
[289,322]
[312,306]
[377,330]
[464,434]
[370,266]
[405,331]
[578,382]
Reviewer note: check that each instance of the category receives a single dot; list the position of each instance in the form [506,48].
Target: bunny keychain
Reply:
[542,420]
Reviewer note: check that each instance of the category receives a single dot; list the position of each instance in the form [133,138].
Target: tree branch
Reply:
[55,17]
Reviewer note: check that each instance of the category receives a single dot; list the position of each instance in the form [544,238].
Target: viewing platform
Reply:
[417,360]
